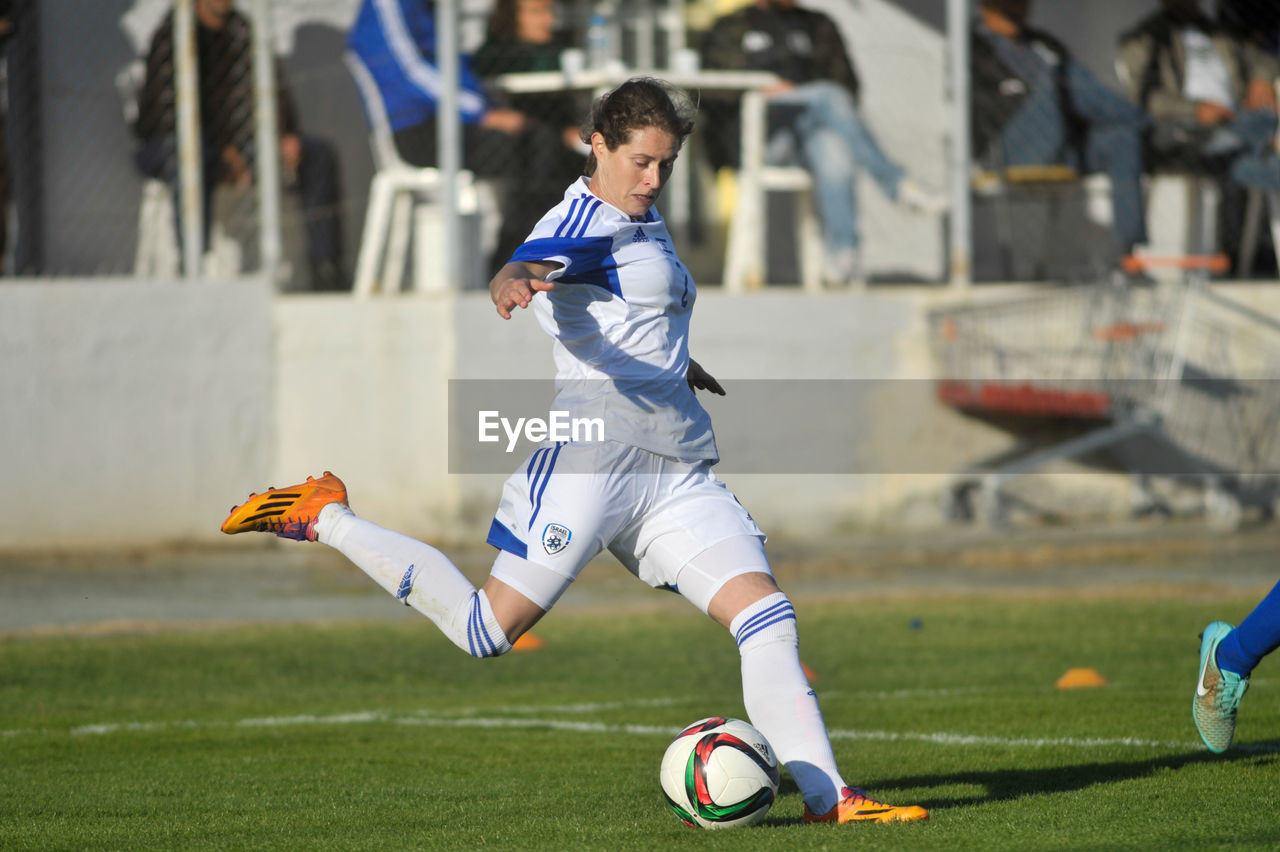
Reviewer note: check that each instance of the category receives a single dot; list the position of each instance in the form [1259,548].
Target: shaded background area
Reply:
[77,204]
[252,578]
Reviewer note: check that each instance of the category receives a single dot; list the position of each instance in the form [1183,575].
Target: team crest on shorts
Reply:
[555,538]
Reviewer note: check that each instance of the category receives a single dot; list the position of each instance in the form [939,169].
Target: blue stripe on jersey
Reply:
[576,206]
[781,611]
[591,259]
[605,279]
[588,253]
[578,217]
[536,461]
[535,472]
[586,220]
[504,539]
[542,485]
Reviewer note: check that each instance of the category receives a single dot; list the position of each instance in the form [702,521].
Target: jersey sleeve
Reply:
[580,257]
[574,237]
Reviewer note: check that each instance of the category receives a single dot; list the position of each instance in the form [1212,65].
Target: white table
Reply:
[748,268]
[591,79]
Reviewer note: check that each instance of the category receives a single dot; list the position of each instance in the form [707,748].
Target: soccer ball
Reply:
[720,773]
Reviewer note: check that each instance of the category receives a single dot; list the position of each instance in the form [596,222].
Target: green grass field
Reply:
[383,735]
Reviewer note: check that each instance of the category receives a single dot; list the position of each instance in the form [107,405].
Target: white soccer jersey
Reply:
[619,315]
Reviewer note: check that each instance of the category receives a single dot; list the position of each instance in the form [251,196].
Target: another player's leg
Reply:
[1217,693]
[776,693]
[1228,657]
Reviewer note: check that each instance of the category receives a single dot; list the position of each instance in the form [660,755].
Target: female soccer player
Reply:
[603,280]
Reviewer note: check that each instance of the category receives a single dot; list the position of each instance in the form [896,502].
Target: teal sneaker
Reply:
[1218,692]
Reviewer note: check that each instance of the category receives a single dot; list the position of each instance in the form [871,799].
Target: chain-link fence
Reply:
[1089,135]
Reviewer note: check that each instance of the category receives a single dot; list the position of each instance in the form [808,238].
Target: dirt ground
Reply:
[266,580]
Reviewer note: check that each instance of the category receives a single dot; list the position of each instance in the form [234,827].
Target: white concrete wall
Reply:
[369,403]
[132,412]
[135,414]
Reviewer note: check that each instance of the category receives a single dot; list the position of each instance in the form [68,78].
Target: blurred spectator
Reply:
[1209,93]
[522,37]
[396,40]
[1034,105]
[6,33]
[224,48]
[813,115]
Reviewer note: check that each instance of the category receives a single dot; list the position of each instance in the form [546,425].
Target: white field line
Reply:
[582,707]
[474,718]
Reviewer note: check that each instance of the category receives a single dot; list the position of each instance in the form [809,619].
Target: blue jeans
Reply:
[819,121]
[1037,136]
[1254,163]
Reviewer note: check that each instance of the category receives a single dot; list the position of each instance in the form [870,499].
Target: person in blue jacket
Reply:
[396,41]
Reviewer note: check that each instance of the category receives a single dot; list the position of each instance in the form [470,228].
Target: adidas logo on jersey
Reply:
[640,237]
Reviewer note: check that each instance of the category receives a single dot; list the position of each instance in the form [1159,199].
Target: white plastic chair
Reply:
[744,263]
[1186,203]
[157,254]
[1253,218]
[748,238]
[395,188]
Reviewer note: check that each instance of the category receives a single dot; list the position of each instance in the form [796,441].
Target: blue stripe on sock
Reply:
[471,636]
[490,646]
[743,637]
[477,635]
[779,612]
[767,612]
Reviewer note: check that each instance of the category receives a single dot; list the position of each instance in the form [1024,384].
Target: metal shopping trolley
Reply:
[1171,379]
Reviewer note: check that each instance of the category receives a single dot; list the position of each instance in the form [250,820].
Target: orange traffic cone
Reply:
[1083,678]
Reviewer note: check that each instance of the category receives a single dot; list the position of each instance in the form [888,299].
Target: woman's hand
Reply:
[517,283]
[1208,113]
[700,379]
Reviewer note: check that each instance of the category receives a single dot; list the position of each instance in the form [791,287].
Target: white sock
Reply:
[418,574]
[780,702]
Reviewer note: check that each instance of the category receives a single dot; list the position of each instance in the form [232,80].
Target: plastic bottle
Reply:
[598,53]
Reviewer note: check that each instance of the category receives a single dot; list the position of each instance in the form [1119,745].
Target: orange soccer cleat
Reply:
[287,512]
[855,806]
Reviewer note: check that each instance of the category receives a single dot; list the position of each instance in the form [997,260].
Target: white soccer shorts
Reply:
[569,501]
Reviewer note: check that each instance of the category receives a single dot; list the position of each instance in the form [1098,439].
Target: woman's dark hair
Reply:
[638,103]
[502,21]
